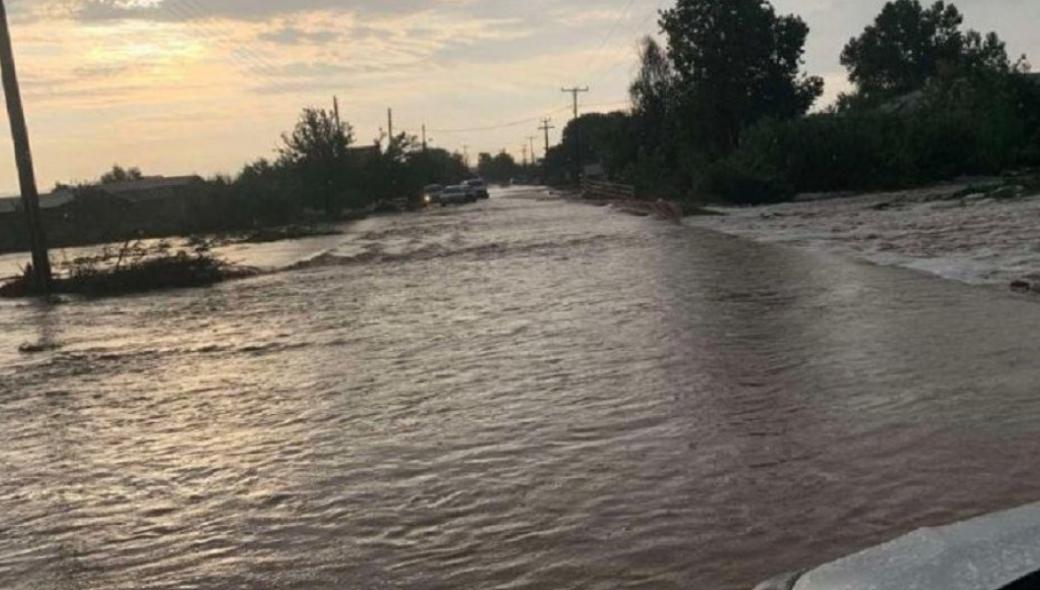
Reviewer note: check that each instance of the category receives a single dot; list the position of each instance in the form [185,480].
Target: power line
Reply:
[600,75]
[190,13]
[610,33]
[506,125]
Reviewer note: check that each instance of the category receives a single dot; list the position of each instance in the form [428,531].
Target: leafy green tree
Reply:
[736,62]
[908,45]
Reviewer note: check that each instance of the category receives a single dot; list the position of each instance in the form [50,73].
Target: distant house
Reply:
[151,188]
[54,200]
[99,213]
[152,205]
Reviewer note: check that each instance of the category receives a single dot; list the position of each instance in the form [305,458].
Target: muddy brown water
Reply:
[524,393]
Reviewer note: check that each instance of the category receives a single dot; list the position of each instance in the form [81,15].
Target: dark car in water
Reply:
[457,195]
[432,194]
[479,187]
[998,551]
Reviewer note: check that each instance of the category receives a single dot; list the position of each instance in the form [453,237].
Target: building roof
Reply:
[48,201]
[142,189]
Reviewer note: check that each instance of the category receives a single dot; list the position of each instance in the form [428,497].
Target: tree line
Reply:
[320,169]
[724,108]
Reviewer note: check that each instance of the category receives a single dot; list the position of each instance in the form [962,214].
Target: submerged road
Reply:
[521,394]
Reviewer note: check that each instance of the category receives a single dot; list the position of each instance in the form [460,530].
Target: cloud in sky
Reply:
[179,86]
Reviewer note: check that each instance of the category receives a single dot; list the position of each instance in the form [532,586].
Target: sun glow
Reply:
[144,45]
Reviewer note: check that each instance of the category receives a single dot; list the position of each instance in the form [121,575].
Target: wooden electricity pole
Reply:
[577,131]
[41,270]
[546,126]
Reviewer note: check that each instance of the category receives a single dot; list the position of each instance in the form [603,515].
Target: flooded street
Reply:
[945,230]
[525,393]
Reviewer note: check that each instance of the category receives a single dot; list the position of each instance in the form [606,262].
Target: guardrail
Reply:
[599,189]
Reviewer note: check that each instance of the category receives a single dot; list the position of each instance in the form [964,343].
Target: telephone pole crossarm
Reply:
[580,156]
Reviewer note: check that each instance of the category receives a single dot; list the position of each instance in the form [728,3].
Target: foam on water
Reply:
[971,240]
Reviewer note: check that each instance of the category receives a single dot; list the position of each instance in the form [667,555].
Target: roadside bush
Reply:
[980,126]
[743,185]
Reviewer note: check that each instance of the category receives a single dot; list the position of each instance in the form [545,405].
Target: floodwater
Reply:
[973,239]
[523,393]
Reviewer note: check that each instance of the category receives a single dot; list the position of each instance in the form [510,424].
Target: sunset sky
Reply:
[182,86]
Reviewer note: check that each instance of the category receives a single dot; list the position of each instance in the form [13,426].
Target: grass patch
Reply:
[133,268]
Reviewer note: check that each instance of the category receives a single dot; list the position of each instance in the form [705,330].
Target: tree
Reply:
[909,45]
[736,62]
[318,150]
[607,139]
[120,174]
[653,90]
[653,93]
[438,166]
[499,168]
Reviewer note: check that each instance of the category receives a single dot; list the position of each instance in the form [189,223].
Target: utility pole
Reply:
[574,93]
[530,140]
[390,123]
[546,126]
[577,131]
[465,154]
[41,270]
[335,112]
[524,149]
[424,137]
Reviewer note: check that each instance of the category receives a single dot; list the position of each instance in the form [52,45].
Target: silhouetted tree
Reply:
[908,45]
[318,150]
[498,168]
[120,174]
[736,62]
[654,101]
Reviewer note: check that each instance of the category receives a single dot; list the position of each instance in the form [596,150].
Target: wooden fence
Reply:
[623,197]
[599,189]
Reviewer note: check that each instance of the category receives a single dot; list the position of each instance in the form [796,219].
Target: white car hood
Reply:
[985,553]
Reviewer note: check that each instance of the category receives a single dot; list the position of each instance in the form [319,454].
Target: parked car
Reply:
[995,552]
[479,187]
[432,194]
[457,195]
